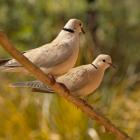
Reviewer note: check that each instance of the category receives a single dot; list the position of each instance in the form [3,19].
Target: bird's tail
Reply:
[2,63]
[36,86]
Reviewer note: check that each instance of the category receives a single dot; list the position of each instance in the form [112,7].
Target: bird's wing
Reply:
[75,79]
[53,55]
[46,56]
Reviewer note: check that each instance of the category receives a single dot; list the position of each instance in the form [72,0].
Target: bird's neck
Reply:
[95,78]
[67,35]
[68,30]
[98,67]
[94,66]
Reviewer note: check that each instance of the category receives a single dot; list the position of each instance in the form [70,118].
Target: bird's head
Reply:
[103,61]
[74,25]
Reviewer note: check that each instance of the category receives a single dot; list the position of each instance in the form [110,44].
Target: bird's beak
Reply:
[82,29]
[112,65]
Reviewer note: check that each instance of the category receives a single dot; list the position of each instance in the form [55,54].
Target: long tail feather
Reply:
[3,61]
[36,86]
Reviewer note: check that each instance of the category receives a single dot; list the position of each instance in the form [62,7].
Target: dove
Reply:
[80,81]
[54,58]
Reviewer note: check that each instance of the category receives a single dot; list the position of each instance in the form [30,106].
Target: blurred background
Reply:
[112,27]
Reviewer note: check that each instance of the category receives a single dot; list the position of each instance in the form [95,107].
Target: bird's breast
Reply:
[93,83]
[69,62]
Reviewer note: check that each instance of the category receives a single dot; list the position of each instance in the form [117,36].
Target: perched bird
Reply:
[81,81]
[55,58]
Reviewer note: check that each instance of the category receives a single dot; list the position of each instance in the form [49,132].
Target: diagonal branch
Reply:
[81,104]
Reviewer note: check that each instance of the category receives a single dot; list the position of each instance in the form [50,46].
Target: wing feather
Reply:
[75,79]
[46,56]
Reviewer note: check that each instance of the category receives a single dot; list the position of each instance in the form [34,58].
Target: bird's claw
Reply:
[51,78]
[65,88]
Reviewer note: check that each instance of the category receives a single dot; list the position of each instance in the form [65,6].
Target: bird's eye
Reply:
[103,60]
[80,24]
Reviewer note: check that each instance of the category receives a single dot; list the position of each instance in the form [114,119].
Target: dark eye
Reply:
[80,24]
[103,60]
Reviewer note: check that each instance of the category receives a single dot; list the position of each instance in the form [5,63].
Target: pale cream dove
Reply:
[55,58]
[80,81]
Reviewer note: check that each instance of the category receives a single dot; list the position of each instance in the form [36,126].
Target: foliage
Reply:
[111,27]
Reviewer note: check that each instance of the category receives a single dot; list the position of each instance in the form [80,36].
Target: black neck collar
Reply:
[94,66]
[68,30]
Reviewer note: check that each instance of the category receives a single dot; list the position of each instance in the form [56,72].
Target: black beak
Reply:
[112,65]
[82,30]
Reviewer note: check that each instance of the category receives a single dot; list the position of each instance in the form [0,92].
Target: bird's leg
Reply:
[64,87]
[51,78]
[84,100]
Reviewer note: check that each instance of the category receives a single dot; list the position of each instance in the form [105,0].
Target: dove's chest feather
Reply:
[94,80]
[73,48]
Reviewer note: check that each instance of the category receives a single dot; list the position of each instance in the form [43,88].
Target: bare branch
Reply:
[81,104]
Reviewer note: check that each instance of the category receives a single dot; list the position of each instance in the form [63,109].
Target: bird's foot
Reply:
[65,88]
[84,100]
[51,78]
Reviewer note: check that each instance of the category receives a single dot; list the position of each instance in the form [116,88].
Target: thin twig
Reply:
[81,104]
